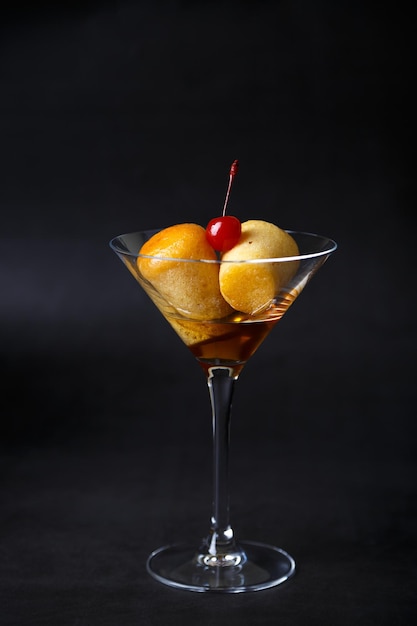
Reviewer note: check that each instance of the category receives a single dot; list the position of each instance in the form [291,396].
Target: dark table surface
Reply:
[123,116]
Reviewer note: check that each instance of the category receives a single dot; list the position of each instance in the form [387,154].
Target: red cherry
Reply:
[223,233]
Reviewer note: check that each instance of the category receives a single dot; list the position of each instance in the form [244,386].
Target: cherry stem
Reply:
[232,174]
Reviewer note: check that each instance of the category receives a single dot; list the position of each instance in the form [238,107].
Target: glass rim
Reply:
[329,248]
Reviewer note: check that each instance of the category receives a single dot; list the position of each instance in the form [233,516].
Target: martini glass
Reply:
[220,562]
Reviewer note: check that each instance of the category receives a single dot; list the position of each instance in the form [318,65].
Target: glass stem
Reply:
[221,385]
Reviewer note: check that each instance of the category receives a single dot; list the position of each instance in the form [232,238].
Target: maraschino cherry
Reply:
[224,232]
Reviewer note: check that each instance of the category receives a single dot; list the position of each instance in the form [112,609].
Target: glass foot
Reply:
[254,566]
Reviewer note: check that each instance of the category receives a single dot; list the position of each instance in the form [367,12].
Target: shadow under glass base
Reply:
[260,567]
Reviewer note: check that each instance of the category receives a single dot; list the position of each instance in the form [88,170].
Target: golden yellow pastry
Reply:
[251,287]
[190,288]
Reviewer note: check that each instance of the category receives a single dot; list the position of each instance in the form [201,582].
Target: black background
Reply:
[120,116]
